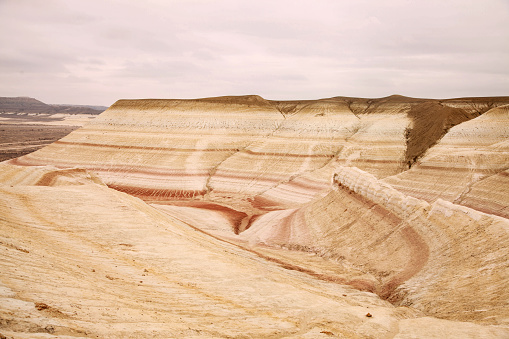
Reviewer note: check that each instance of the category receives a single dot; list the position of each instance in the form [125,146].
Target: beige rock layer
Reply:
[100,263]
[13,175]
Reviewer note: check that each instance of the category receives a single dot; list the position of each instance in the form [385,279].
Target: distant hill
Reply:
[31,105]
[97,108]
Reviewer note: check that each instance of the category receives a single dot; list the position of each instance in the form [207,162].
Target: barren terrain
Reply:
[27,124]
[240,217]
[20,139]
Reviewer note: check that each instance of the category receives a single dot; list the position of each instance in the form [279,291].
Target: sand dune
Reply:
[245,217]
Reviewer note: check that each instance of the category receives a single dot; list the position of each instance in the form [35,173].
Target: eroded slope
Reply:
[248,146]
[468,166]
[443,259]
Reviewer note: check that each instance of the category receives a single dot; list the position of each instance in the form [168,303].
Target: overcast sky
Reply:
[99,51]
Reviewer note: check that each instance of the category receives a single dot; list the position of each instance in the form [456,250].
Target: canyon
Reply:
[241,217]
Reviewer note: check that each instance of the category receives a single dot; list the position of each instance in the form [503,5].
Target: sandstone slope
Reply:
[99,263]
[179,149]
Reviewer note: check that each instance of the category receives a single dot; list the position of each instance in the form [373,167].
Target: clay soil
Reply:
[20,139]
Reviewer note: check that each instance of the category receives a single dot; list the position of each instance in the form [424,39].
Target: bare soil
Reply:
[20,139]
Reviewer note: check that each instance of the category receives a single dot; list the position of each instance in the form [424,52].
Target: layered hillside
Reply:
[469,166]
[241,216]
[173,149]
[441,258]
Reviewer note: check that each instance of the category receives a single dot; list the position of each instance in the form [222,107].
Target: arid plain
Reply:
[241,217]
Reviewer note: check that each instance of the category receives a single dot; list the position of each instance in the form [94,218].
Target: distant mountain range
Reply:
[31,105]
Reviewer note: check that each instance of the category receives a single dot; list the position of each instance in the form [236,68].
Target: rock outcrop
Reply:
[181,149]
[443,259]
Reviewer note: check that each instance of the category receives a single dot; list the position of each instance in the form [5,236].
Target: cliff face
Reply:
[293,218]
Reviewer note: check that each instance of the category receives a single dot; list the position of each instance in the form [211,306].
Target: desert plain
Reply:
[241,217]
[27,124]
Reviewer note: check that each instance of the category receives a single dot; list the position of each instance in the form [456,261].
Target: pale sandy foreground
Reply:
[246,218]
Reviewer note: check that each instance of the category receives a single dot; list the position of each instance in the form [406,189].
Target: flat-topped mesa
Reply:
[165,149]
[417,250]
[391,135]
[161,148]
[247,148]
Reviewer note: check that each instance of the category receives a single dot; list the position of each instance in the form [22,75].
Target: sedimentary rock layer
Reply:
[45,176]
[99,263]
[441,258]
[468,166]
[248,146]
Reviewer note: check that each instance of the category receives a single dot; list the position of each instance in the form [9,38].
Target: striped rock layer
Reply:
[81,260]
[270,152]
[441,258]
[468,166]
[263,218]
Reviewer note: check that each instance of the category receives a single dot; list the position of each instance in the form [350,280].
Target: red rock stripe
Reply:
[290,154]
[449,168]
[359,284]
[155,172]
[156,194]
[486,206]
[383,161]
[418,247]
[418,258]
[28,161]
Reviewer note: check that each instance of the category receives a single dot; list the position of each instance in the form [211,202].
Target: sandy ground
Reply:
[57,119]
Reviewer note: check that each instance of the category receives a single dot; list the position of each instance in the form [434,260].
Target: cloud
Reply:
[99,51]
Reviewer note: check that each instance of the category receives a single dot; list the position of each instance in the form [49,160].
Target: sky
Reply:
[98,51]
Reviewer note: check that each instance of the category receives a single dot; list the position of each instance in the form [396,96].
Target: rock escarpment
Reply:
[263,218]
